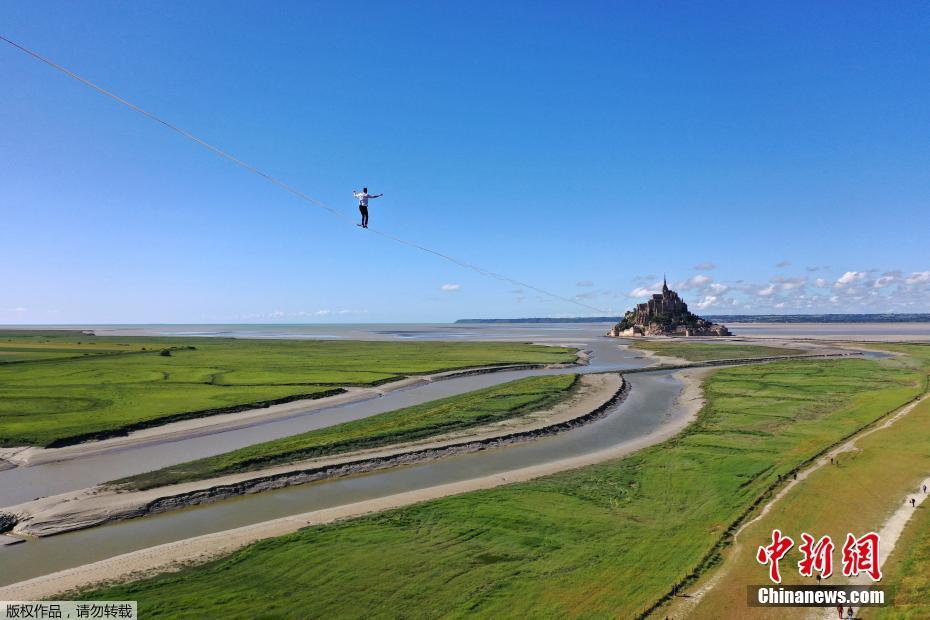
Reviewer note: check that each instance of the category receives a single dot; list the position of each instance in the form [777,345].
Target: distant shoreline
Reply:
[738,318]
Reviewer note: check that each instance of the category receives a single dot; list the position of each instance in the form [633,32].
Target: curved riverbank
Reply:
[652,404]
[242,416]
[67,469]
[100,505]
[177,554]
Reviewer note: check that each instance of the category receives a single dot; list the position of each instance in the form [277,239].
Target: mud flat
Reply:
[871,332]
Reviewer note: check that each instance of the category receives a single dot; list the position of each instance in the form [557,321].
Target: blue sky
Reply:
[769,157]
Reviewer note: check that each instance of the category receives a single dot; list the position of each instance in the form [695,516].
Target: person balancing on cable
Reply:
[363,197]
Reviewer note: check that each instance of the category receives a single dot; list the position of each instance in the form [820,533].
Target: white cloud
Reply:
[645,291]
[705,266]
[918,277]
[584,283]
[784,263]
[695,282]
[707,302]
[323,312]
[791,284]
[718,289]
[849,277]
[450,287]
[765,292]
[821,283]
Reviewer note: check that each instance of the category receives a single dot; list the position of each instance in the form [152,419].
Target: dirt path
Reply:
[175,555]
[889,532]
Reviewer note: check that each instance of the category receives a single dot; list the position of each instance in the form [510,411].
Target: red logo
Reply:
[860,555]
[771,554]
[817,557]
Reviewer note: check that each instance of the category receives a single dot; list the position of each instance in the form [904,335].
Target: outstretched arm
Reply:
[377,196]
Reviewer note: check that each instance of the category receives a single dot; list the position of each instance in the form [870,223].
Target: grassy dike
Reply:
[128,383]
[706,352]
[609,540]
[477,408]
[855,494]
[908,567]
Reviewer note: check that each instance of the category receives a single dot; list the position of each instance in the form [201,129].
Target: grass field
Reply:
[604,541]
[26,346]
[704,352]
[856,495]
[49,402]
[433,418]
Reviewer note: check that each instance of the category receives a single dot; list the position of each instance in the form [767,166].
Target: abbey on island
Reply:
[665,314]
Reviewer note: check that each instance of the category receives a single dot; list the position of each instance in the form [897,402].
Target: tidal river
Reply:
[26,483]
[652,402]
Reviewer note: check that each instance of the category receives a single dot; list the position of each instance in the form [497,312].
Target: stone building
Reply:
[665,314]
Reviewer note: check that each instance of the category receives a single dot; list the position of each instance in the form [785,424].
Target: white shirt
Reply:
[363,197]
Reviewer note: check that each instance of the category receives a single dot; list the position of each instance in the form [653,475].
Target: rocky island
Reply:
[665,314]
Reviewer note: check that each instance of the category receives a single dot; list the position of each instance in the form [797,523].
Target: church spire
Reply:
[664,284]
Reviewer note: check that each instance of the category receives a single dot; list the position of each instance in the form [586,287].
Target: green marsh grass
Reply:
[705,352]
[51,402]
[476,408]
[609,540]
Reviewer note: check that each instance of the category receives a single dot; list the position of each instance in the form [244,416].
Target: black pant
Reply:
[364,211]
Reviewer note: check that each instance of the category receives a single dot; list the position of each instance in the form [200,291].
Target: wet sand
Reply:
[850,332]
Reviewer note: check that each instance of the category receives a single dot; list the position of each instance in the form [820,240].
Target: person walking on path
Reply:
[363,197]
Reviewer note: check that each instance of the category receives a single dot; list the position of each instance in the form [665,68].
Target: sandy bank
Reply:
[208,425]
[176,555]
[97,505]
[739,361]
[812,349]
